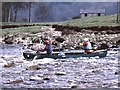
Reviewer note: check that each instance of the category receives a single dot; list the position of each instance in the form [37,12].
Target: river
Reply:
[57,73]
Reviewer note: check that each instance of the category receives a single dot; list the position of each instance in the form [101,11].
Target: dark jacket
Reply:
[48,48]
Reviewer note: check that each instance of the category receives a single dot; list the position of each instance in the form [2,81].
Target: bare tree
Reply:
[17,6]
[118,11]
[5,11]
[10,10]
[29,8]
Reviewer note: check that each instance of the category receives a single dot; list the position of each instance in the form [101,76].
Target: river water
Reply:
[57,73]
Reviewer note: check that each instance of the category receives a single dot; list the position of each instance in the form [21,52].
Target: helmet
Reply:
[46,42]
[86,39]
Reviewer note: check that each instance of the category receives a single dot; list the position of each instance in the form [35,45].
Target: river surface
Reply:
[57,73]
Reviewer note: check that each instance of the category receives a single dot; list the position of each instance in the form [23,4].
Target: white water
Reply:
[96,72]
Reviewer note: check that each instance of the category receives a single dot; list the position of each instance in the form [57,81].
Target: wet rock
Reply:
[103,32]
[77,48]
[118,42]
[55,43]
[9,65]
[59,39]
[35,78]
[96,32]
[74,86]
[96,71]
[14,82]
[8,40]
[46,78]
[118,84]
[103,46]
[116,73]
[33,67]
[67,31]
[109,31]
[60,73]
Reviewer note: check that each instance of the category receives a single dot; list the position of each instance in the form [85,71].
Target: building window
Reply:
[85,15]
[99,14]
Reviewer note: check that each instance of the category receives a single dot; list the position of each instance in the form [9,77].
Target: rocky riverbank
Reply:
[66,37]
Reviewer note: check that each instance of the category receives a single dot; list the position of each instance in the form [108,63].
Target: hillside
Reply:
[109,20]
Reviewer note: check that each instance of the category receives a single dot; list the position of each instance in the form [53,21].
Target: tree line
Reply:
[10,10]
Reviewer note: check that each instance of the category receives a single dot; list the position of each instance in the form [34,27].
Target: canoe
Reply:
[68,54]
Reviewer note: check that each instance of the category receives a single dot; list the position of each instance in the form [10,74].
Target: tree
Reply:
[29,8]
[42,13]
[118,11]
[10,10]
[5,11]
[17,6]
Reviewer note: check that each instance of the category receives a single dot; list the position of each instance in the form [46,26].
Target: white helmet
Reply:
[86,39]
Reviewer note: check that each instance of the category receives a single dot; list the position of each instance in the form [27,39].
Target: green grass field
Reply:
[94,21]
[109,20]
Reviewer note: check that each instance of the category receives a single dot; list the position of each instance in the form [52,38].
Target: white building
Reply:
[91,12]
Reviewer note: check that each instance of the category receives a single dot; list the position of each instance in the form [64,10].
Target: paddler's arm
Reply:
[81,44]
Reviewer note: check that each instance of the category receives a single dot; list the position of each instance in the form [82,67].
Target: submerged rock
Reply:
[35,78]
[33,67]
[74,86]
[9,65]
[14,82]
[60,73]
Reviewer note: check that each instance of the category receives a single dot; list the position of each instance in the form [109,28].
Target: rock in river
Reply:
[33,67]
[60,73]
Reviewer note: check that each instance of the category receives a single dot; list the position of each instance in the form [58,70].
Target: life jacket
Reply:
[87,45]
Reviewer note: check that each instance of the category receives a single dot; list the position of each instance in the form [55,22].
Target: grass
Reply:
[94,21]
[109,20]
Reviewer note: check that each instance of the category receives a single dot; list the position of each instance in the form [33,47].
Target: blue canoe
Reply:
[68,54]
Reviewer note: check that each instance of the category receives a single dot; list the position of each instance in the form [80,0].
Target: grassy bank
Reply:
[94,21]
[109,20]
[85,22]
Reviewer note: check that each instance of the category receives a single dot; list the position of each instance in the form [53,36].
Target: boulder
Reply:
[103,32]
[33,67]
[14,82]
[103,46]
[35,78]
[118,42]
[8,40]
[60,73]
[59,39]
[9,65]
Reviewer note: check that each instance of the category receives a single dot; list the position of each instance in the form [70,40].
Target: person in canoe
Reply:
[48,47]
[86,45]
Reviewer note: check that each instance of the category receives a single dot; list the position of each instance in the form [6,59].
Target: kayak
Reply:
[68,54]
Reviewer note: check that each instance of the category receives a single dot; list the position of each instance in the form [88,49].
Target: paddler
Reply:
[86,45]
[48,47]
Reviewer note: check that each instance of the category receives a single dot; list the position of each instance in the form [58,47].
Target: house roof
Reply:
[92,11]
